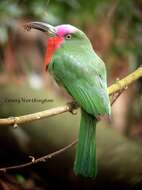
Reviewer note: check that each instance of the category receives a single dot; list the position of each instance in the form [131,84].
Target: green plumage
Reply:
[82,73]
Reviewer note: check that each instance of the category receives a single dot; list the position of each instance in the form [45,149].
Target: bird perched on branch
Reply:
[72,62]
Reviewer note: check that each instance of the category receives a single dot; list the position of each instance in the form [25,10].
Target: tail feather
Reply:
[85,161]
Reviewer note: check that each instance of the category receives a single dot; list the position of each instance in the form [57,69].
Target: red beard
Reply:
[52,45]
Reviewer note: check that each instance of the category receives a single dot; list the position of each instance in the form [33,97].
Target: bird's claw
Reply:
[72,107]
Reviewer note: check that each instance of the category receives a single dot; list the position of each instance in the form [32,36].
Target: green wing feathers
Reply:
[84,82]
[85,160]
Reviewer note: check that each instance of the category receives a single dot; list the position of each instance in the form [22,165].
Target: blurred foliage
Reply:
[124,18]
[114,28]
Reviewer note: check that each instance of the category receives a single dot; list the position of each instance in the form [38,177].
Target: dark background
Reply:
[115,30]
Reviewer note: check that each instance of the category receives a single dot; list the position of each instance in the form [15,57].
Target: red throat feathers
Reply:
[52,45]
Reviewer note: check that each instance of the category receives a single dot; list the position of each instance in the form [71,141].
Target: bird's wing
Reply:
[84,81]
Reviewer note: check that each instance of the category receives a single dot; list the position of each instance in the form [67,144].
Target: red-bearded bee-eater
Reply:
[73,63]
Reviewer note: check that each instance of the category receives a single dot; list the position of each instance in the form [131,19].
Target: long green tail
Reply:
[85,161]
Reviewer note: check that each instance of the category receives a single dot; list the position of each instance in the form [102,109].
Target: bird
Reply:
[74,65]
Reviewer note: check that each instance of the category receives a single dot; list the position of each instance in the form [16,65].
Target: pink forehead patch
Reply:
[65,29]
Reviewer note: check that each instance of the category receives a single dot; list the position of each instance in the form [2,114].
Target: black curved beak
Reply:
[42,26]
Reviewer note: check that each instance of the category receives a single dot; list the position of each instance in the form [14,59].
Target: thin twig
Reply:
[117,96]
[116,87]
[41,159]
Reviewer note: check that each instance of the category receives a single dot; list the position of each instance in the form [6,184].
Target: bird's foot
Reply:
[73,107]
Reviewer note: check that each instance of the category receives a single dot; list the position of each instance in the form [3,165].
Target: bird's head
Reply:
[58,36]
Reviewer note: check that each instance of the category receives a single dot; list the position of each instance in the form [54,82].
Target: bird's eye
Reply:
[68,36]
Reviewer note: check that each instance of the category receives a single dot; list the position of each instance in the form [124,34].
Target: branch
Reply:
[116,87]
[41,159]
[123,83]
[15,121]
